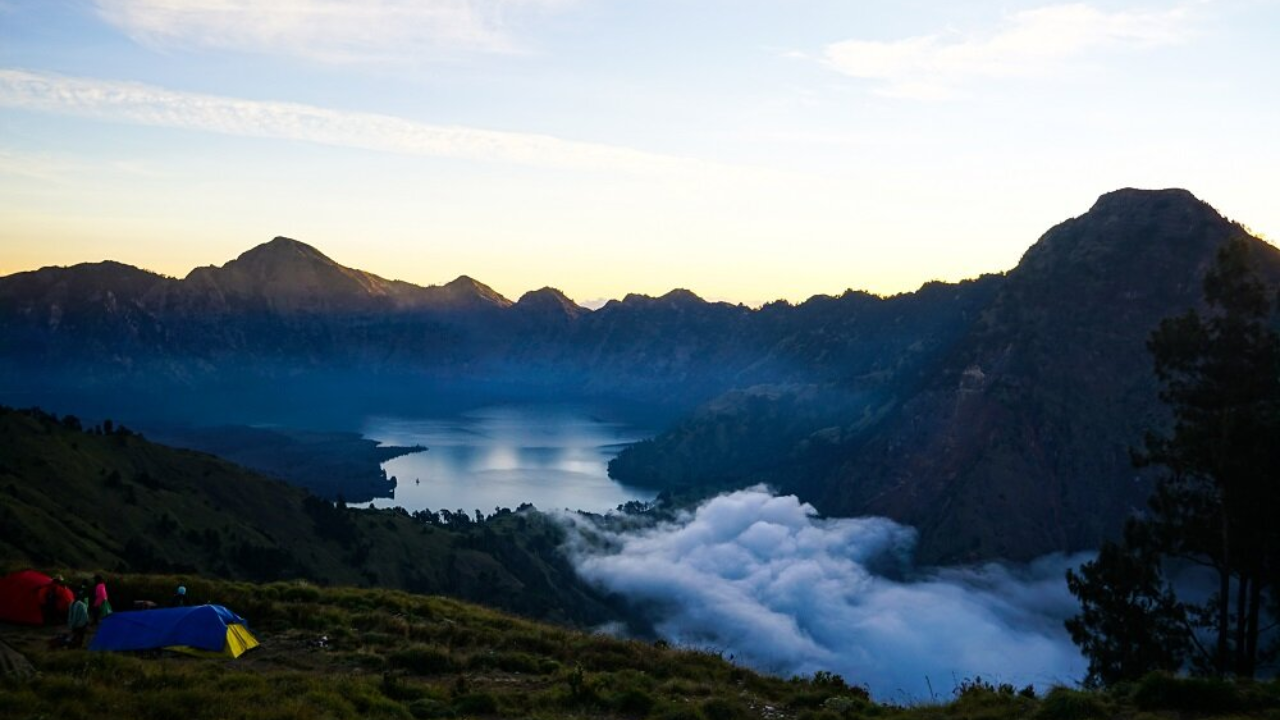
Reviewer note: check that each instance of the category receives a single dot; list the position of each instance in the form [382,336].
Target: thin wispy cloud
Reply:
[64,168]
[150,105]
[1030,43]
[326,30]
[35,166]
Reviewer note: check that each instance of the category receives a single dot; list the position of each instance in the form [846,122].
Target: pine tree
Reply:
[1130,622]
[1216,502]
[1221,378]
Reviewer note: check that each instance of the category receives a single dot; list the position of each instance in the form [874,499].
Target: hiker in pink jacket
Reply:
[100,604]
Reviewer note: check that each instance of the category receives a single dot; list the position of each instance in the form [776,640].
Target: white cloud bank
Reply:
[150,105]
[1029,43]
[325,30]
[761,578]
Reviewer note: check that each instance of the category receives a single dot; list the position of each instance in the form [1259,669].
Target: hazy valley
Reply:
[605,360]
[1014,396]
[838,483]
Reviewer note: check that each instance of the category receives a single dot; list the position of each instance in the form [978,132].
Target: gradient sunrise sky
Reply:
[745,149]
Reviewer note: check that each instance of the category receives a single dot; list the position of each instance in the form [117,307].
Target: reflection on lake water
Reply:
[553,457]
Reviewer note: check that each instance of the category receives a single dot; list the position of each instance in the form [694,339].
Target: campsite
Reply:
[42,603]
[352,653]
[203,631]
[25,597]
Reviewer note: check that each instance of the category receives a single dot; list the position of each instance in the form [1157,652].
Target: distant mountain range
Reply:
[994,414]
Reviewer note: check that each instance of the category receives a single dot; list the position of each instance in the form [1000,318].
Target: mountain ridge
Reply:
[1017,441]
[1014,395]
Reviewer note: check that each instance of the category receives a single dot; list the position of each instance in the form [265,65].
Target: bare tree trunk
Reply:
[1242,608]
[1224,602]
[1255,611]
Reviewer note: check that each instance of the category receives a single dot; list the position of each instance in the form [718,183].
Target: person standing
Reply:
[78,620]
[179,597]
[51,600]
[101,606]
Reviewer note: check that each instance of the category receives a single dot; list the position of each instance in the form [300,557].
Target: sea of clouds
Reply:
[762,579]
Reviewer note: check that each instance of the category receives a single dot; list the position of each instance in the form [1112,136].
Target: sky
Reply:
[748,150]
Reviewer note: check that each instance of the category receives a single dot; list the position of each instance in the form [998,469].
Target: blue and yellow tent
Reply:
[199,630]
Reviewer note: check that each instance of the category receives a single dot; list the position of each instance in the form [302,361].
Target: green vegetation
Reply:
[107,498]
[1216,505]
[329,464]
[348,653]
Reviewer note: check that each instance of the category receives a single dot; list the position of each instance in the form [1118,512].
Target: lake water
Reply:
[554,457]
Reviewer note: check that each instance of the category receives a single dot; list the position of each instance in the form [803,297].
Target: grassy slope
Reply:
[389,654]
[120,503]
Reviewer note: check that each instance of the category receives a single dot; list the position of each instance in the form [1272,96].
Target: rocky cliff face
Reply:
[1012,439]
[1021,443]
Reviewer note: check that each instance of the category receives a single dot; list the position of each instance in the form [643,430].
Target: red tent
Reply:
[23,594]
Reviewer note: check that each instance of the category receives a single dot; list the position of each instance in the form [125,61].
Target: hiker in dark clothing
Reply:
[179,597]
[49,607]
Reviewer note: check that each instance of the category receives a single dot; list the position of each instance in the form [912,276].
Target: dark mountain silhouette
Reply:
[1022,442]
[995,414]
[549,305]
[287,277]
[465,292]
[1016,440]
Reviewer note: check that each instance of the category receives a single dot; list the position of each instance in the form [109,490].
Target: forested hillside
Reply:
[108,499]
